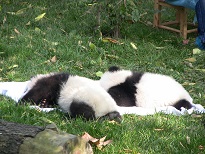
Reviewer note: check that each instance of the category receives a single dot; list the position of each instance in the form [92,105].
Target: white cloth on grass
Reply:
[16,90]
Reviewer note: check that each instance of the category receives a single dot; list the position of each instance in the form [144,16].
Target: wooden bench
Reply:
[181,19]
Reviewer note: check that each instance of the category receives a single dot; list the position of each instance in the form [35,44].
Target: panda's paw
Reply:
[113,116]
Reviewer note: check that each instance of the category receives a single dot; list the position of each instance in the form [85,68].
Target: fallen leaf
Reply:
[12,13]
[192,59]
[53,59]
[39,17]
[28,23]
[188,139]
[112,56]
[21,11]
[159,48]
[108,39]
[92,46]
[181,144]
[127,150]
[38,30]
[99,143]
[14,66]
[16,31]
[196,116]
[201,70]
[133,45]
[4,20]
[201,147]
[88,137]
[188,84]
[54,43]
[99,74]
[196,51]
[158,129]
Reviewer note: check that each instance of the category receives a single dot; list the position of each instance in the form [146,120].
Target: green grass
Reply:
[65,32]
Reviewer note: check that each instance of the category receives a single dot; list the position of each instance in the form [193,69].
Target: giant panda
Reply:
[75,95]
[147,90]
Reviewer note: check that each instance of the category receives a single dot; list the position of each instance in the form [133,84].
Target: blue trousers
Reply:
[200,14]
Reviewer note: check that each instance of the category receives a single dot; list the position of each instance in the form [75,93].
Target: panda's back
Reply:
[156,90]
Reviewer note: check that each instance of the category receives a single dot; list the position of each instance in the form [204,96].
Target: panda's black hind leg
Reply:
[81,109]
[182,103]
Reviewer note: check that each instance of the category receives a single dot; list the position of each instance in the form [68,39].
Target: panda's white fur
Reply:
[155,90]
[152,90]
[66,90]
[83,89]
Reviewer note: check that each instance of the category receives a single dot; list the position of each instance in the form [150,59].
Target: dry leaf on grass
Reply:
[133,45]
[158,129]
[192,59]
[39,17]
[99,143]
[16,31]
[108,39]
[201,147]
[53,59]
[188,139]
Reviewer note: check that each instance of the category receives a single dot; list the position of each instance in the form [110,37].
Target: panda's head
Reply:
[114,76]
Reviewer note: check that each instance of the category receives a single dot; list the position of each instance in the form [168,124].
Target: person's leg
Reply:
[200,14]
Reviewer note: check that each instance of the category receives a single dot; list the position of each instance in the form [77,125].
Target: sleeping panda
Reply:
[75,95]
[145,90]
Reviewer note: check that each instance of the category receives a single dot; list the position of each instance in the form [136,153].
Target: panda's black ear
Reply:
[113,68]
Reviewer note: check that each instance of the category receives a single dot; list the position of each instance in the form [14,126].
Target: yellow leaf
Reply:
[158,129]
[21,11]
[14,66]
[192,59]
[99,74]
[196,51]
[16,31]
[159,48]
[28,23]
[40,17]
[188,139]
[38,30]
[133,45]
[54,43]
[201,70]
[112,56]
[53,59]
[12,13]
[108,39]
[188,84]
[92,46]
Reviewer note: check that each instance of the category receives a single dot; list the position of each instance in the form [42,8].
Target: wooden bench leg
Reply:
[157,15]
[183,22]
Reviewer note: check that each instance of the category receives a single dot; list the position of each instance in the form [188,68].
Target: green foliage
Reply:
[113,14]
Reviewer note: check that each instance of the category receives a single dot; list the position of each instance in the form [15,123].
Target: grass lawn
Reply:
[28,47]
